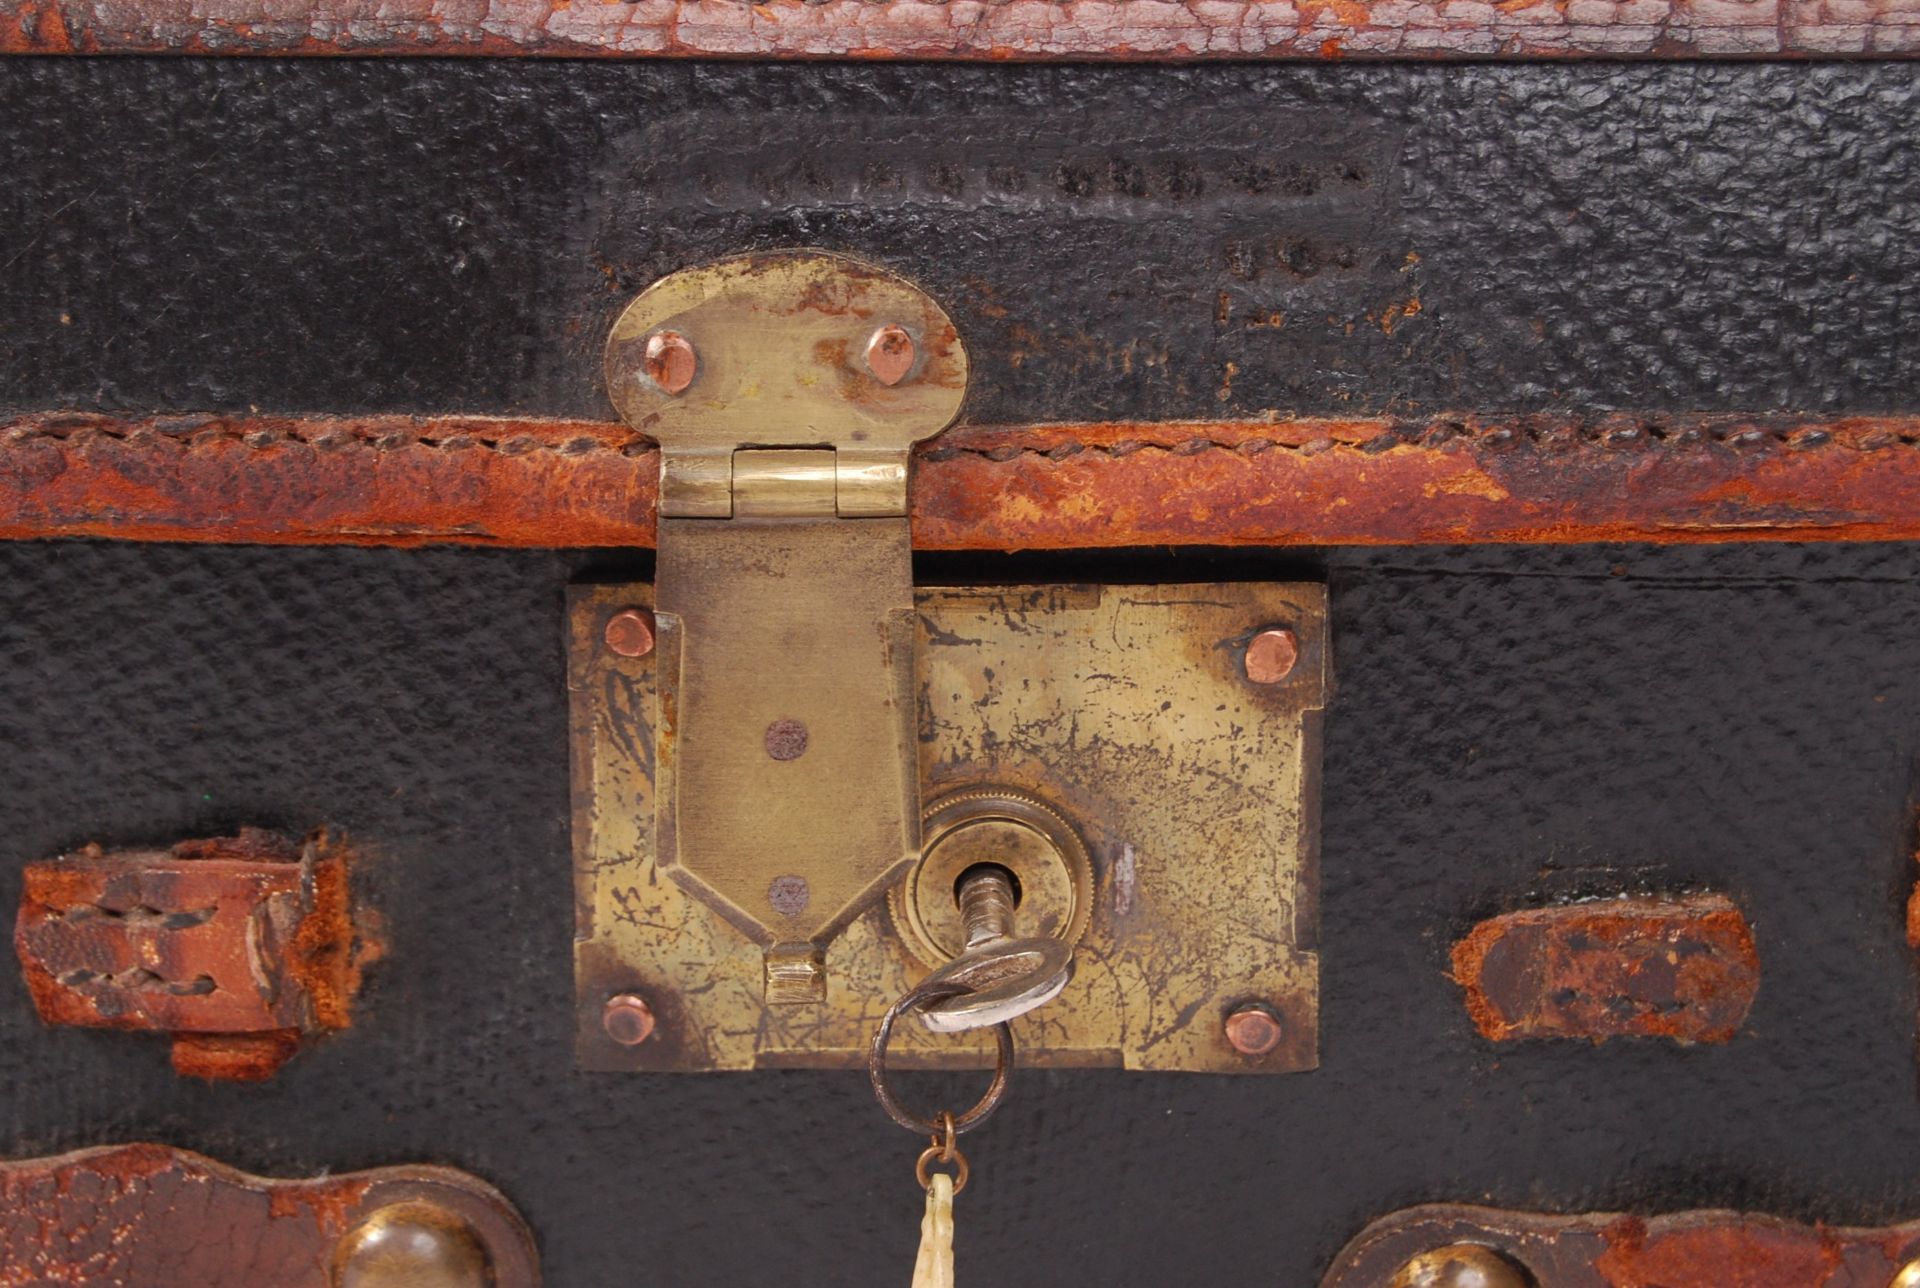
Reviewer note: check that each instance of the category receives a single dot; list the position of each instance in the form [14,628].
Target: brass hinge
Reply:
[786,392]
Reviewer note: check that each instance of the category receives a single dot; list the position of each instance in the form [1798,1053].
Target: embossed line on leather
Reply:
[397,480]
[1126,30]
[1682,968]
[239,946]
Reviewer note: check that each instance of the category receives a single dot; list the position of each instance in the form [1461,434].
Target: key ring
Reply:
[937,991]
[945,1151]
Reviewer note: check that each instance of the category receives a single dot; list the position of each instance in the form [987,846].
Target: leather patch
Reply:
[247,943]
[146,1214]
[1683,968]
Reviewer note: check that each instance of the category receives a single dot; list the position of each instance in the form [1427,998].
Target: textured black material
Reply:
[1507,725]
[341,236]
[1114,242]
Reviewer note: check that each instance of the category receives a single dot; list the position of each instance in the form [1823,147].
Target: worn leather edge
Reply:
[1697,1249]
[1121,30]
[400,480]
[270,925]
[148,1214]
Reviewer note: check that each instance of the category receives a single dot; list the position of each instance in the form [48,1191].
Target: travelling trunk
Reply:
[1291,631]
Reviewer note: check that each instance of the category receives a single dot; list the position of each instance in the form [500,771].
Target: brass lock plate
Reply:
[1173,729]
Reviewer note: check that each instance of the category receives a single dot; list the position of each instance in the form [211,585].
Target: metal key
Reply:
[995,978]
[1003,977]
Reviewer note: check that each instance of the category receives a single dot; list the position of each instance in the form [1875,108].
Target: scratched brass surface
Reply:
[1127,709]
[786,795]
[781,343]
[802,626]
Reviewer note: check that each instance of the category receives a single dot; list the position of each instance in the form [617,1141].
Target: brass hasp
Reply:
[786,391]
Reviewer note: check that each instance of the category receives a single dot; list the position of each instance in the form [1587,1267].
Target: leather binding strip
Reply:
[400,481]
[240,947]
[147,1215]
[1614,1250]
[1682,968]
[1119,30]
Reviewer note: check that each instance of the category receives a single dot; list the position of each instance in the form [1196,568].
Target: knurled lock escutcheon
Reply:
[788,781]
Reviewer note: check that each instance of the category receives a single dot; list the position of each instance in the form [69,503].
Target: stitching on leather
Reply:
[1612,434]
[323,436]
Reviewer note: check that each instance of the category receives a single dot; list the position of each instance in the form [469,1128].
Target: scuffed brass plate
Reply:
[1128,709]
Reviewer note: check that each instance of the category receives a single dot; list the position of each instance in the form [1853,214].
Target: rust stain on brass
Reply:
[147,1214]
[1124,708]
[240,946]
[1682,968]
[466,480]
[1714,1249]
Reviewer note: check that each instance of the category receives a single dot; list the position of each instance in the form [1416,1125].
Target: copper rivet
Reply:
[1253,1029]
[1460,1265]
[1909,1276]
[630,633]
[890,355]
[1271,655]
[627,1019]
[411,1243]
[789,895]
[786,740]
[671,361]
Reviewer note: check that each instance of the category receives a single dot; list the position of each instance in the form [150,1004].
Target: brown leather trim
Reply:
[1708,1249]
[394,480]
[150,1215]
[238,946]
[1128,30]
[1682,968]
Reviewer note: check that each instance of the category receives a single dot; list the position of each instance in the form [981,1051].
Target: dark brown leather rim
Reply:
[151,1214]
[1116,30]
[398,480]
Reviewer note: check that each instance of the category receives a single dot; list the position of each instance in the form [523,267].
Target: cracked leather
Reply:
[1116,244]
[397,480]
[144,1216]
[1037,29]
